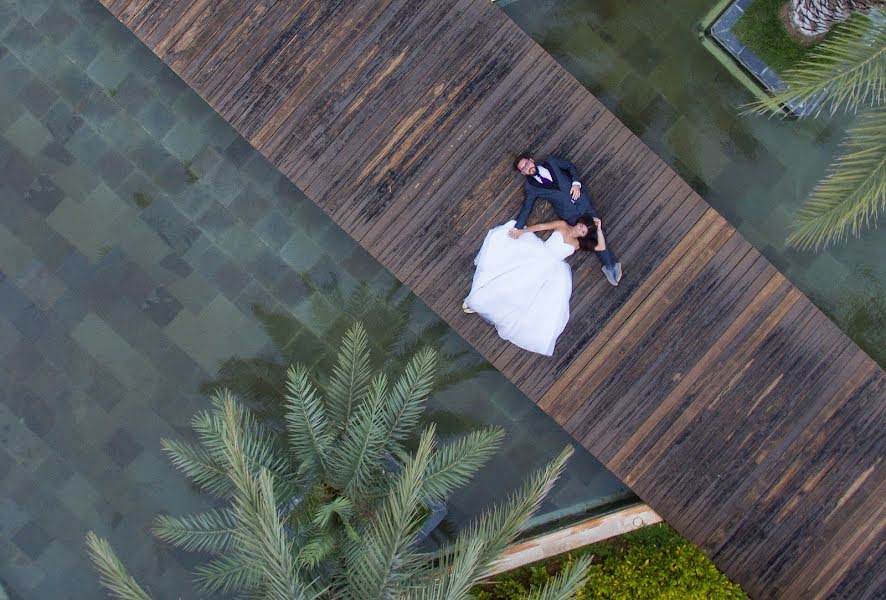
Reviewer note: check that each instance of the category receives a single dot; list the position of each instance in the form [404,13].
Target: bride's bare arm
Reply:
[601,239]
[515,233]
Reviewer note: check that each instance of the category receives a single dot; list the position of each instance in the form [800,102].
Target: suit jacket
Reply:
[557,193]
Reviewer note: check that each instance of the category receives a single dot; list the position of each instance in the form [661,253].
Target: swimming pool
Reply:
[144,244]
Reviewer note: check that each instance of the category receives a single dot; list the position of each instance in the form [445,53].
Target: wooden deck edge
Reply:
[575,536]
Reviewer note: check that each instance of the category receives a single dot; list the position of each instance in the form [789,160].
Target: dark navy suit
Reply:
[558,194]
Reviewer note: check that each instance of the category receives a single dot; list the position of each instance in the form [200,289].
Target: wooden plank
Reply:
[382,50]
[705,380]
[379,102]
[446,80]
[258,46]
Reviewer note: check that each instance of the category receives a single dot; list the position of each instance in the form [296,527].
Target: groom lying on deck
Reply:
[556,180]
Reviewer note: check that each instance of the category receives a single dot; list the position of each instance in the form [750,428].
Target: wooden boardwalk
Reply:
[705,381]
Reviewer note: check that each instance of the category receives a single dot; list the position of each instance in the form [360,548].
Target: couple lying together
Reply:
[522,284]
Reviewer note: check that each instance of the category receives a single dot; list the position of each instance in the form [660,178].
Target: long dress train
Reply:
[523,287]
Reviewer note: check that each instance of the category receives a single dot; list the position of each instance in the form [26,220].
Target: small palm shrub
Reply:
[334,505]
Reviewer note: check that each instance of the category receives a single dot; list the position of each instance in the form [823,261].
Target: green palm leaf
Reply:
[341,507]
[382,559]
[848,70]
[261,536]
[854,191]
[230,573]
[259,443]
[309,430]
[499,527]
[454,464]
[316,549]
[407,401]
[212,531]
[477,548]
[357,457]
[201,467]
[565,585]
[350,377]
[113,574]
[455,575]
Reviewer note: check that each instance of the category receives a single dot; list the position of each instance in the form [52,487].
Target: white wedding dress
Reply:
[523,287]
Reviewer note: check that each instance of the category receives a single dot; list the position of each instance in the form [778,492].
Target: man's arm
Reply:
[528,205]
[569,168]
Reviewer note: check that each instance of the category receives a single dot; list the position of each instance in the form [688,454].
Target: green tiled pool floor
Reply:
[137,231]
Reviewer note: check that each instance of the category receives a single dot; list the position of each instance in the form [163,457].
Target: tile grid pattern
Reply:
[137,229]
[704,367]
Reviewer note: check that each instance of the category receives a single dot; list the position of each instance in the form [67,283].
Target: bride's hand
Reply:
[515,233]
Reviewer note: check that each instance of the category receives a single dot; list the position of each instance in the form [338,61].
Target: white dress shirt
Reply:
[542,172]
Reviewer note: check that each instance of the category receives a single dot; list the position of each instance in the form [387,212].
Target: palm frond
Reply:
[261,536]
[408,398]
[259,444]
[341,507]
[851,196]
[357,457]
[350,377]
[114,576]
[230,573]
[199,466]
[499,527]
[454,464]
[212,531]
[848,70]
[381,559]
[565,585]
[309,430]
[454,577]
[316,549]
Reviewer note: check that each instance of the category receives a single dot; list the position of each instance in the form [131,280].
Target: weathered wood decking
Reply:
[705,381]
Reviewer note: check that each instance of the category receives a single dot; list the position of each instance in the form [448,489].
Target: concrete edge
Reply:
[575,536]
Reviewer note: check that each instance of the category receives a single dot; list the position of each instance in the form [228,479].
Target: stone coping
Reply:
[722,33]
[581,534]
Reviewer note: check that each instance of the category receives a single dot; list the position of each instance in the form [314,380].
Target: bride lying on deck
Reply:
[522,284]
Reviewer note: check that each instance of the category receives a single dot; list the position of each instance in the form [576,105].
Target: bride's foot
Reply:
[610,275]
[464,307]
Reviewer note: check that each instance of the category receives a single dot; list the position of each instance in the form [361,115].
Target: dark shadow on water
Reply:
[392,328]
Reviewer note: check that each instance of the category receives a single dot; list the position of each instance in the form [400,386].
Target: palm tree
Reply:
[335,506]
[389,321]
[846,72]
[811,19]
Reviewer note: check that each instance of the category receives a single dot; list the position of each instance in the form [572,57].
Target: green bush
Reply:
[651,563]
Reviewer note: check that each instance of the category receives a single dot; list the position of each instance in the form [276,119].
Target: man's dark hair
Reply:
[588,242]
[520,157]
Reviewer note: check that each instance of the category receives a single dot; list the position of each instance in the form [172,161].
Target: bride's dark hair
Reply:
[589,241]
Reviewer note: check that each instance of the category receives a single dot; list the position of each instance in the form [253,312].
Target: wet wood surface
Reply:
[706,381]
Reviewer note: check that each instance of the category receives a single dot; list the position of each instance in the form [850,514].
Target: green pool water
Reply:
[138,233]
[645,63]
